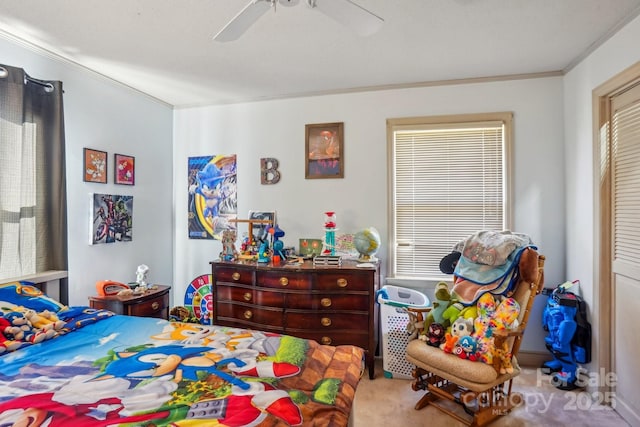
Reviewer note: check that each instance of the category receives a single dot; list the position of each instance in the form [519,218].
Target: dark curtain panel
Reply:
[33,201]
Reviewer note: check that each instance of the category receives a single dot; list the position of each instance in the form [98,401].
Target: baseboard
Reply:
[533,359]
[627,413]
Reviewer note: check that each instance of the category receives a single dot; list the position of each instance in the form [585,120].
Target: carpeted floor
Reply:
[389,402]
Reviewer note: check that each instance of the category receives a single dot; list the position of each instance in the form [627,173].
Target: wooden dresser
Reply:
[153,303]
[332,305]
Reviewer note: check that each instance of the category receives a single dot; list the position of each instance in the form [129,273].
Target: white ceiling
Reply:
[165,48]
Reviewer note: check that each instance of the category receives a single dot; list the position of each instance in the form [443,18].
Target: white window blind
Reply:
[449,181]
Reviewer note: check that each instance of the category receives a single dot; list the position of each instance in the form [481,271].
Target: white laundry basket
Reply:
[393,301]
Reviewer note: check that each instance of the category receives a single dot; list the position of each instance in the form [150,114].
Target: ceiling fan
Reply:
[362,21]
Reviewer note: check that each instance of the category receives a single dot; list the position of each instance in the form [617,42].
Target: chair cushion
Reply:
[446,364]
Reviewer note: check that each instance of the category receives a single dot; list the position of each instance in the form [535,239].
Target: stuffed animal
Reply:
[435,334]
[449,343]
[412,327]
[502,359]
[486,306]
[7,329]
[452,313]
[466,348]
[442,301]
[25,332]
[492,317]
[45,320]
[462,327]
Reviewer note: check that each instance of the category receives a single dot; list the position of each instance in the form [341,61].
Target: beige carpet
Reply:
[389,402]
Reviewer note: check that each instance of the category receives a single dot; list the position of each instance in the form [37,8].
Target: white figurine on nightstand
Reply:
[141,277]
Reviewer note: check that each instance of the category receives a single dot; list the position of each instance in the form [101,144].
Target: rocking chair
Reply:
[483,392]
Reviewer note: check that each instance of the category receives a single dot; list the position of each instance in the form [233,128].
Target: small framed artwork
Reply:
[95,166]
[124,169]
[324,150]
[110,218]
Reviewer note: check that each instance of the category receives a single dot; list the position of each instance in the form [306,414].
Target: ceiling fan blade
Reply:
[243,20]
[348,13]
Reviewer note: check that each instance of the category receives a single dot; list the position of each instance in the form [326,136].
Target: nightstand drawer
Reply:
[154,307]
[153,303]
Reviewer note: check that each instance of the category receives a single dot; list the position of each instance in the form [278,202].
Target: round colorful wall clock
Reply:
[199,299]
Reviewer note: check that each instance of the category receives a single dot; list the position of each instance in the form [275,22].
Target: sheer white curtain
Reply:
[33,224]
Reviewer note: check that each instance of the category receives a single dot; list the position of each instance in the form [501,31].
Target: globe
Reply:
[367,243]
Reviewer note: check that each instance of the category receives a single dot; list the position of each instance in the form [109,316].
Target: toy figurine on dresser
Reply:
[264,254]
[278,245]
[229,252]
[329,233]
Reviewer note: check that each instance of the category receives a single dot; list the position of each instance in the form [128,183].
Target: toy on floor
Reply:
[568,338]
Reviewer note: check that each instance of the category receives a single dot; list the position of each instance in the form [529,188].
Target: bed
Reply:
[101,369]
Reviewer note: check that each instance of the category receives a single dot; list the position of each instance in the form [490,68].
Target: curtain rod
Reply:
[48,86]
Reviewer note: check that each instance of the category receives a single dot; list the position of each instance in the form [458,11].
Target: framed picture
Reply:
[110,218]
[95,166]
[324,151]
[124,171]
[259,230]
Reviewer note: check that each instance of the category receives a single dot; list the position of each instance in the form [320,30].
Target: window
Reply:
[449,179]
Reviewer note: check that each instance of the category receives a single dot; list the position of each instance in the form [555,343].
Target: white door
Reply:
[625,250]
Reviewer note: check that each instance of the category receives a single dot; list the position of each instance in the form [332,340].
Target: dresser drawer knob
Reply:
[342,282]
[235,276]
[325,321]
[325,302]
[284,281]
[325,340]
[248,314]
[155,305]
[247,296]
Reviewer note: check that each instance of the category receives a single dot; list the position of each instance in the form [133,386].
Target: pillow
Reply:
[26,294]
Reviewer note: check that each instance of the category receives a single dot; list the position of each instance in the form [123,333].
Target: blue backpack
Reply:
[581,341]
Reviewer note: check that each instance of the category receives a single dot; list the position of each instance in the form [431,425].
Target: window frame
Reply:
[445,122]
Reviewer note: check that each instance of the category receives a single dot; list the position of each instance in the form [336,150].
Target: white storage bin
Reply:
[393,323]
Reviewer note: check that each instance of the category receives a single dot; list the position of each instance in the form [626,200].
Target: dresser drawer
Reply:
[233,274]
[284,280]
[333,301]
[249,295]
[328,320]
[153,307]
[347,281]
[250,314]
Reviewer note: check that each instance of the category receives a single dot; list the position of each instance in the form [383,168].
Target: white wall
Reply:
[276,129]
[107,116]
[614,56]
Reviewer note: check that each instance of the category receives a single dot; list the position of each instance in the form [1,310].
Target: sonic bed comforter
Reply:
[103,369]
